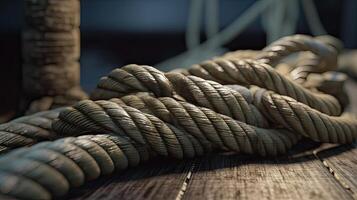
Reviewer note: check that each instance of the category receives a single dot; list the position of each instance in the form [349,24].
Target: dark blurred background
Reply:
[117,32]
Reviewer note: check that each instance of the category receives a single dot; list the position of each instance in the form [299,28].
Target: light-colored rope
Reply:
[135,78]
[312,63]
[49,169]
[285,46]
[300,118]
[212,130]
[28,130]
[138,112]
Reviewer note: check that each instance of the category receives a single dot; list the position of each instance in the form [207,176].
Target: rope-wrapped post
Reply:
[51,50]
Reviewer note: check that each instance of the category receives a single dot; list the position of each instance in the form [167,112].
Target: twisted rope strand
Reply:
[311,123]
[28,130]
[312,63]
[49,169]
[335,134]
[141,113]
[246,72]
[193,89]
[285,46]
[211,130]
[249,72]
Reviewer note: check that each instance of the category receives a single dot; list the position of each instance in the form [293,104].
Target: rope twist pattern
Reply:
[237,103]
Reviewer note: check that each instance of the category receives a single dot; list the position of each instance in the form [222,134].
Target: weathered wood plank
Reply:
[244,177]
[342,163]
[159,179]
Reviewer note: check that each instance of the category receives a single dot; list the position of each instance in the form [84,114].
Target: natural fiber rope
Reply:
[90,156]
[300,118]
[28,130]
[212,130]
[187,87]
[312,63]
[135,78]
[297,43]
[50,168]
[149,113]
[340,129]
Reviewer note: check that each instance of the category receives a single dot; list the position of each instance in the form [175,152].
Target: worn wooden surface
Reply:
[311,171]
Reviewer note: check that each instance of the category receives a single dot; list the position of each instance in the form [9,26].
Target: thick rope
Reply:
[285,46]
[49,169]
[249,72]
[334,134]
[193,89]
[28,130]
[312,63]
[300,118]
[147,113]
[135,78]
[51,51]
[87,157]
[212,130]
[300,121]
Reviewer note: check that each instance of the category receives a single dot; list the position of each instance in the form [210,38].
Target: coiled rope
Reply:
[135,78]
[138,112]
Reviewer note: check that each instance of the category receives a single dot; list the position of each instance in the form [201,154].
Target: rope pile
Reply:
[233,103]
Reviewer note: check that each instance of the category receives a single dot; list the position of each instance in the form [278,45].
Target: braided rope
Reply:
[50,168]
[300,118]
[135,78]
[249,72]
[87,157]
[285,46]
[339,129]
[193,89]
[312,63]
[212,130]
[28,130]
[147,113]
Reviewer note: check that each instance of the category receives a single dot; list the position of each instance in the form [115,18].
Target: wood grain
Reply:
[342,163]
[327,174]
[239,177]
[159,179]
[342,160]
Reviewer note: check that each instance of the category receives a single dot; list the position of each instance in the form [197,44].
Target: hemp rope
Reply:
[28,130]
[135,127]
[173,115]
[297,43]
[135,78]
[51,51]
[308,122]
[50,168]
[311,63]
[181,85]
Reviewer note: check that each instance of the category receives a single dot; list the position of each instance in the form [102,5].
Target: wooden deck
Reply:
[311,171]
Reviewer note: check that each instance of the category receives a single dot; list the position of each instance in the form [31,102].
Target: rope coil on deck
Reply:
[138,112]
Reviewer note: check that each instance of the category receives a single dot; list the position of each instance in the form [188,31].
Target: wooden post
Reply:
[51,50]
